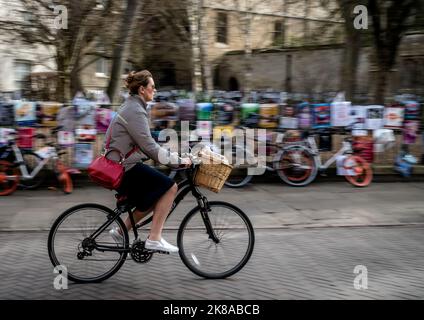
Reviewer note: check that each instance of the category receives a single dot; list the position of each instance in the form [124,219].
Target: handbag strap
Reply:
[120,153]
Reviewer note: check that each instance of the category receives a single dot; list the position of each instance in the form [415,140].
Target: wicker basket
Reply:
[212,172]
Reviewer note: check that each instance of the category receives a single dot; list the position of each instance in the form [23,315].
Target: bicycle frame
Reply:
[184,187]
[346,148]
[23,168]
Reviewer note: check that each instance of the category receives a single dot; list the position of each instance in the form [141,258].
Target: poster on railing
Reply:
[374,117]
[412,110]
[269,113]
[288,120]
[103,118]
[358,115]
[410,132]
[249,108]
[6,134]
[25,113]
[304,115]
[7,114]
[25,138]
[85,112]
[204,111]
[341,113]
[187,110]
[83,155]
[321,115]
[86,133]
[393,117]
[67,118]
[49,112]
[289,123]
[66,138]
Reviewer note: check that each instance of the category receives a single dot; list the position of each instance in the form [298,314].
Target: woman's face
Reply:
[148,91]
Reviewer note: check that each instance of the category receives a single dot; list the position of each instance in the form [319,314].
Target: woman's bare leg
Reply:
[138,215]
[161,211]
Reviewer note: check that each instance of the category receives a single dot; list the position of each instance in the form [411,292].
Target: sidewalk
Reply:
[271,205]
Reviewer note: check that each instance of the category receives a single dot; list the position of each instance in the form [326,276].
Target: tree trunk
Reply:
[120,49]
[381,85]
[247,52]
[193,15]
[351,51]
[350,65]
[75,80]
[60,87]
[207,81]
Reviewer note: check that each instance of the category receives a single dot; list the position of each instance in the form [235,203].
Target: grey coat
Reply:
[130,127]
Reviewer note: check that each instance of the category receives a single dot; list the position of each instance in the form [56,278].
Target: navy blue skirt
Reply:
[144,186]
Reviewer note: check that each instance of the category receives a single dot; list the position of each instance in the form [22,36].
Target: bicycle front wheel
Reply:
[224,257]
[362,172]
[70,244]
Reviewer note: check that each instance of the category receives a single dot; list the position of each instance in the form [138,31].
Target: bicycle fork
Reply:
[204,211]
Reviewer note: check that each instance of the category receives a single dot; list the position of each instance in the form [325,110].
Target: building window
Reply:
[278,33]
[101,67]
[22,72]
[222,27]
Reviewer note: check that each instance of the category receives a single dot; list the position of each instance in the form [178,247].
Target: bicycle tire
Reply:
[185,248]
[7,187]
[52,250]
[363,172]
[308,175]
[31,159]
[245,177]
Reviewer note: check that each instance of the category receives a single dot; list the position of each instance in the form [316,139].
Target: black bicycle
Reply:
[215,238]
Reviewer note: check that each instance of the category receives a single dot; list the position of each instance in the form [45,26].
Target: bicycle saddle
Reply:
[121,200]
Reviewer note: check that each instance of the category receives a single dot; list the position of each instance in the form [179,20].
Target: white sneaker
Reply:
[161,245]
[119,239]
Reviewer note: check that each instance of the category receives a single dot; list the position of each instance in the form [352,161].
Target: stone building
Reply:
[17,59]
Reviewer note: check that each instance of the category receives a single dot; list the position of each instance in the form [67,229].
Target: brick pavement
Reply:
[286,264]
[321,204]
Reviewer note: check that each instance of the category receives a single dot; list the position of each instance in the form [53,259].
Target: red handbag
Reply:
[106,172]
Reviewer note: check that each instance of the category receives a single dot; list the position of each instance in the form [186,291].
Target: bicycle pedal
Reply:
[158,251]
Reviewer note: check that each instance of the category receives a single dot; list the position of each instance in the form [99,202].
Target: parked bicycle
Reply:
[215,238]
[356,169]
[24,168]
[276,152]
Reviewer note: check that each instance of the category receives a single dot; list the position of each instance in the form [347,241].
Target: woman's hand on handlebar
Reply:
[185,163]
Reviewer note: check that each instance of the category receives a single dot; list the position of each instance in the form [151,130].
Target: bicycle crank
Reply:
[139,254]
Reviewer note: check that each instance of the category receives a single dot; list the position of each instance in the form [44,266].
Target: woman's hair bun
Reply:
[130,77]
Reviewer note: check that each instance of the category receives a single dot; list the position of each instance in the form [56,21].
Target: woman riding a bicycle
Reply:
[145,187]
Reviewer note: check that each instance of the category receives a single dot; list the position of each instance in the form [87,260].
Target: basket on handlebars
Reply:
[213,171]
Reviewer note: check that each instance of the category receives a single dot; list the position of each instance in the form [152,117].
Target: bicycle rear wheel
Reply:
[296,166]
[207,258]
[71,229]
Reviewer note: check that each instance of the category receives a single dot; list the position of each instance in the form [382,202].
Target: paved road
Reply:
[286,264]
[271,205]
